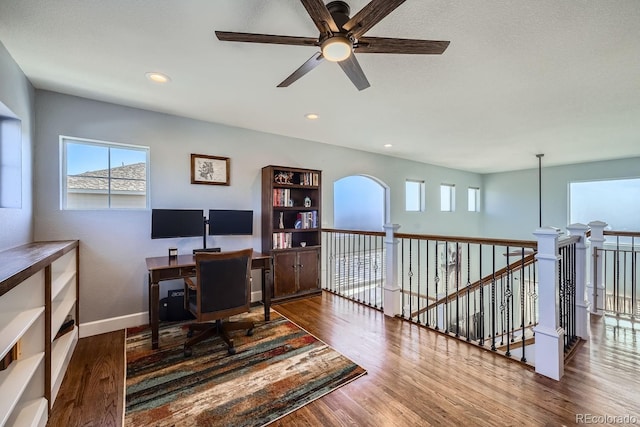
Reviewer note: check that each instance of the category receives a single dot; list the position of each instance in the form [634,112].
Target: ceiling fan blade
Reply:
[352,69]
[228,36]
[311,63]
[320,15]
[407,46]
[370,15]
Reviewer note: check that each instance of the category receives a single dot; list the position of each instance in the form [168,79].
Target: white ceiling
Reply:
[520,77]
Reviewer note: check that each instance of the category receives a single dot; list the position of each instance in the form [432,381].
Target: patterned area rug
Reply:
[274,372]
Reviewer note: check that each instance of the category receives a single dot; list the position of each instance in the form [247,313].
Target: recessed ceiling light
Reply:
[388,145]
[158,77]
[312,116]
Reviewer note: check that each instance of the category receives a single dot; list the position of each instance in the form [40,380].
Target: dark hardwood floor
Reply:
[415,377]
[92,391]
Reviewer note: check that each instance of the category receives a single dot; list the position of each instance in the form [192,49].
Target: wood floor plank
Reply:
[92,391]
[415,376]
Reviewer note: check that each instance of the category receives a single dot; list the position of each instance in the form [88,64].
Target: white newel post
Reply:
[549,335]
[582,303]
[595,289]
[392,298]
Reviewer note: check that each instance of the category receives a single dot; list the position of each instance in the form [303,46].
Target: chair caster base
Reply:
[188,352]
[250,332]
[231,351]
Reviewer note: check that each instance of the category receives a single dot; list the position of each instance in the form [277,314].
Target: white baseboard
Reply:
[113,324]
[129,321]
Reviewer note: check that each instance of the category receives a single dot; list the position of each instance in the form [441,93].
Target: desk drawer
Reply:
[173,273]
[188,271]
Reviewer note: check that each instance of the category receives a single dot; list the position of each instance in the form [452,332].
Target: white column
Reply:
[392,298]
[582,304]
[549,345]
[595,289]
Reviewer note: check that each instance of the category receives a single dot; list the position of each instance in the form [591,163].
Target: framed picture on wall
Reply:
[213,170]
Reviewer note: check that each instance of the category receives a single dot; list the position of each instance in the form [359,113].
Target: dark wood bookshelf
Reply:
[291,229]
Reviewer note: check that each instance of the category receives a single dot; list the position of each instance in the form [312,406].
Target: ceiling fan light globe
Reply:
[336,49]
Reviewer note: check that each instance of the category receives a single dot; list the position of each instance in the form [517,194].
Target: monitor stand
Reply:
[206,250]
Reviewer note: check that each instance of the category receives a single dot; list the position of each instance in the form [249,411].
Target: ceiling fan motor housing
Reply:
[339,11]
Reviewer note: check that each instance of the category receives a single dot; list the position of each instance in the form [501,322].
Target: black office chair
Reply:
[222,289]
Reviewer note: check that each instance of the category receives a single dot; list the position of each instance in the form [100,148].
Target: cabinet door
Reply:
[308,270]
[284,274]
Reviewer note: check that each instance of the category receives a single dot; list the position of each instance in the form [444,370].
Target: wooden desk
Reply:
[163,268]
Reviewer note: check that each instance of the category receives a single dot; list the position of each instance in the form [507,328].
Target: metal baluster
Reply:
[437,280]
[560,292]
[375,269]
[493,300]
[447,319]
[634,277]
[426,263]
[456,265]
[351,266]
[509,310]
[369,270]
[382,269]
[419,294]
[402,276]
[410,275]
[617,277]
[503,308]
[522,306]
[573,293]
[481,320]
[468,292]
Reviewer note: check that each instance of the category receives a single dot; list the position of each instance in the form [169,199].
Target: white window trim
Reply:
[63,167]
[451,195]
[421,195]
[476,207]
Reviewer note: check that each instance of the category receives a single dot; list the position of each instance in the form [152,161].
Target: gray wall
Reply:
[510,202]
[114,244]
[17,94]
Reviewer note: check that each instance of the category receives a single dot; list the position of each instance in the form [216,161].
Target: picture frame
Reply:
[211,170]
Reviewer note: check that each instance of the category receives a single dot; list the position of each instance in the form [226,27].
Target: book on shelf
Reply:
[281,240]
[308,219]
[309,178]
[282,197]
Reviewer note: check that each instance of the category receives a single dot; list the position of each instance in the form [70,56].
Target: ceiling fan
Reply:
[341,36]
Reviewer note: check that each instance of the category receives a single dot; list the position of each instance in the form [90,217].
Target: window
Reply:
[10,159]
[473,199]
[414,196]
[103,175]
[350,194]
[447,197]
[615,201]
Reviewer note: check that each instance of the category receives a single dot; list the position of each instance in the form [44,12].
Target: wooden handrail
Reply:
[361,232]
[528,260]
[479,240]
[622,233]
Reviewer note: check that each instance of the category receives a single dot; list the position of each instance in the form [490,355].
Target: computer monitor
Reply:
[168,223]
[227,222]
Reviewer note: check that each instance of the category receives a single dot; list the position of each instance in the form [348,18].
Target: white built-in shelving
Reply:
[38,291]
